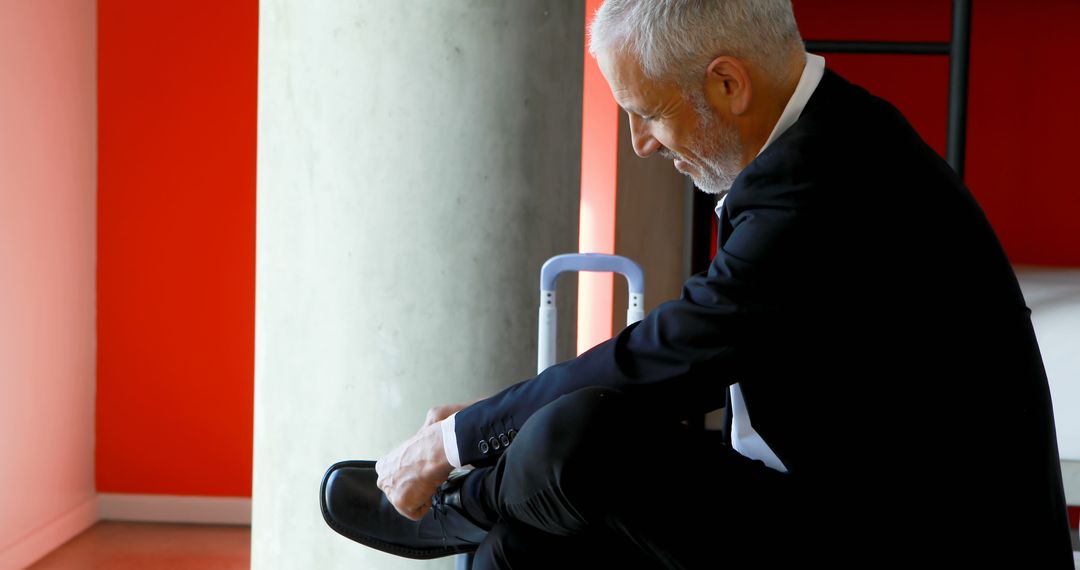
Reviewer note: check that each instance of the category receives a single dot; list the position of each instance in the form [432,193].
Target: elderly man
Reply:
[860,323]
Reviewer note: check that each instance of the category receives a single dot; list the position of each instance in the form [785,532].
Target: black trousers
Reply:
[593,479]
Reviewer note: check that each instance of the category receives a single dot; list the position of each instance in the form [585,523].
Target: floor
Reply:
[131,546]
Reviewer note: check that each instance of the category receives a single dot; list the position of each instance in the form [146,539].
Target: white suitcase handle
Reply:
[549,273]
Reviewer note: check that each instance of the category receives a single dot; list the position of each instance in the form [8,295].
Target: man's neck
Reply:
[775,100]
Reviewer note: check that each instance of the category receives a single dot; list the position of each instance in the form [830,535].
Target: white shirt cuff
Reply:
[449,440]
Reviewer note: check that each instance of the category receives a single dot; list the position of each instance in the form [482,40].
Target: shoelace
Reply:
[438,510]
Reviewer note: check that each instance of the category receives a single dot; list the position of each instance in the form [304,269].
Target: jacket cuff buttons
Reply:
[495,443]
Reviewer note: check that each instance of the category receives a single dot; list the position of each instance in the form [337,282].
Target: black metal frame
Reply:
[958,48]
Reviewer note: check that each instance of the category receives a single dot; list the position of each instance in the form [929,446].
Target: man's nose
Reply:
[641,137]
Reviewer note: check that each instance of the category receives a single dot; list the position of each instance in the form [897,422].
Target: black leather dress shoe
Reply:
[354,507]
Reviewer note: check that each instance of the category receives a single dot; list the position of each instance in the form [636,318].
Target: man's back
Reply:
[895,373]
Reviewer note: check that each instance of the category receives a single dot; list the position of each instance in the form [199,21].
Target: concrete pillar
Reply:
[417,162]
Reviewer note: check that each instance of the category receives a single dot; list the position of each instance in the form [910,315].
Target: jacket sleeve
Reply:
[685,353]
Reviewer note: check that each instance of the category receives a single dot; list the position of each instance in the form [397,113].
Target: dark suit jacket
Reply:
[880,338]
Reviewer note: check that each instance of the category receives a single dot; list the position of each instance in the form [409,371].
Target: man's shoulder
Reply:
[839,116]
[838,100]
[819,137]
[843,133]
[841,113]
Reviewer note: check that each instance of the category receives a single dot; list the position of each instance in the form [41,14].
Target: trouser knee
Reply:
[577,426]
[557,472]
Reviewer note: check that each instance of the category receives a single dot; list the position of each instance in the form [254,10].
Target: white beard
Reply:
[719,148]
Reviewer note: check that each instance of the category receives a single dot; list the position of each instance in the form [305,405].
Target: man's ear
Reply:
[727,85]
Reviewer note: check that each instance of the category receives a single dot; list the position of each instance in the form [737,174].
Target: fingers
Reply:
[440,413]
[436,415]
[418,512]
[402,500]
[413,512]
[383,482]
[410,473]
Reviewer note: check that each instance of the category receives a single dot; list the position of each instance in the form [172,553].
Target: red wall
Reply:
[1022,117]
[600,117]
[176,245]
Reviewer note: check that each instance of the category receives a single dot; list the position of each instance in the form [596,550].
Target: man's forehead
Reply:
[620,66]
[628,83]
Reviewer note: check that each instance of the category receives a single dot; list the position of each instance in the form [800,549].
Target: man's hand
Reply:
[410,473]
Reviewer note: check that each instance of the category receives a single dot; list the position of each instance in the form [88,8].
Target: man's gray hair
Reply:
[674,40]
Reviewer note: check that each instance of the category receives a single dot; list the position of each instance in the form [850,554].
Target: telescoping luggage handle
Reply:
[549,273]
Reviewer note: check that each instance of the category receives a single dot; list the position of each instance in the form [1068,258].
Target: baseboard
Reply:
[172,508]
[35,545]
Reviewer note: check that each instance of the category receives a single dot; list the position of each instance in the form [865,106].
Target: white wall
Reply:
[1054,298]
[417,162]
[47,281]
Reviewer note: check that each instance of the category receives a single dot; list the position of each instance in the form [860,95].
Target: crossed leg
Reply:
[594,475]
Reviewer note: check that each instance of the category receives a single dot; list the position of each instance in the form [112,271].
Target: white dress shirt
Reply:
[449,440]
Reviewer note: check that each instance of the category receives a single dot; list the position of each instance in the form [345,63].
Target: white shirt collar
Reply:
[811,76]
